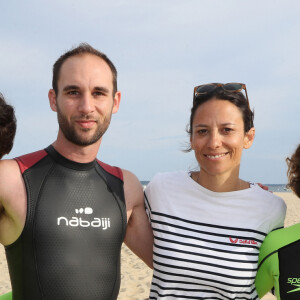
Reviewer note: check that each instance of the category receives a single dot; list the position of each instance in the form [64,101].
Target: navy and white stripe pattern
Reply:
[195,259]
[210,257]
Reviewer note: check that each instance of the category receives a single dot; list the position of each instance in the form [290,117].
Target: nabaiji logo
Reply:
[103,223]
[295,282]
[242,241]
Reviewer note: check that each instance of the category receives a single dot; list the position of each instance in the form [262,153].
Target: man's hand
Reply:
[264,187]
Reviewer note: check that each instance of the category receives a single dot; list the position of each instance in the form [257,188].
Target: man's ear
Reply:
[52,100]
[249,138]
[117,100]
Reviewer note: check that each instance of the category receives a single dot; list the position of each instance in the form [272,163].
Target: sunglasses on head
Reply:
[204,89]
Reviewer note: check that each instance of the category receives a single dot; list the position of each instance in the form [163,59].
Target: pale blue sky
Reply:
[162,49]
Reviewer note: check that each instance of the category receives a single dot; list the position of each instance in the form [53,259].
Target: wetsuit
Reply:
[74,229]
[7,296]
[279,264]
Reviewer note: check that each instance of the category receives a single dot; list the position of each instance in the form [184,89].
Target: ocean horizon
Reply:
[279,188]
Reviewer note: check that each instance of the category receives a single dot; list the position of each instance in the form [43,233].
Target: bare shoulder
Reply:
[12,202]
[133,189]
[10,179]
[9,172]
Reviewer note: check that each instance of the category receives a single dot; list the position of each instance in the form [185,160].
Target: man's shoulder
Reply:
[132,189]
[26,161]
[130,179]
[11,169]
[113,170]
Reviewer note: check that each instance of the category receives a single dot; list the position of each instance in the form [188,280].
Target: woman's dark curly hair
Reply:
[294,171]
[8,125]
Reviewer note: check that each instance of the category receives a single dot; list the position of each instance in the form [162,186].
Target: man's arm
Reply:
[139,236]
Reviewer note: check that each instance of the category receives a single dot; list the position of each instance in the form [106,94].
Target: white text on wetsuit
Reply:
[104,223]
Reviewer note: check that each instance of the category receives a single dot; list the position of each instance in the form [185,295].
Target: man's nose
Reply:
[86,104]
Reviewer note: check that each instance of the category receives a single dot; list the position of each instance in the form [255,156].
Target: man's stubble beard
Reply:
[74,137]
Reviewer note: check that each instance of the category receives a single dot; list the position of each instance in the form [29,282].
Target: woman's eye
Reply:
[202,131]
[227,130]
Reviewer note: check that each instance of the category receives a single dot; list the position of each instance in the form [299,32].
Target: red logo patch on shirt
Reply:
[234,241]
[242,241]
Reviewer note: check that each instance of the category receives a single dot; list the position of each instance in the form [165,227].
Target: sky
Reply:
[162,49]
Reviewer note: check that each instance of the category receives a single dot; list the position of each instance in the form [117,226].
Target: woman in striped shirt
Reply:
[208,225]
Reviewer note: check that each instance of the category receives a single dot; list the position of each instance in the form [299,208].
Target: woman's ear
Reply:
[191,142]
[249,138]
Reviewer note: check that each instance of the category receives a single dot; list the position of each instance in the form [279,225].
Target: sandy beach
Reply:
[136,276]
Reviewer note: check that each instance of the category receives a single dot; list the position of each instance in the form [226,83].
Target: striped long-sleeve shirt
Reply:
[206,244]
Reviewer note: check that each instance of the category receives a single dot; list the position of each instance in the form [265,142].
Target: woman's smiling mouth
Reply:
[215,156]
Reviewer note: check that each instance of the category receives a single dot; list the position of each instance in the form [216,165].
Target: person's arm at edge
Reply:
[139,236]
[264,278]
[4,215]
[12,213]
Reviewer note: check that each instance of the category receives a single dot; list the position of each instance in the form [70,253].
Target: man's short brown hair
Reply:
[81,49]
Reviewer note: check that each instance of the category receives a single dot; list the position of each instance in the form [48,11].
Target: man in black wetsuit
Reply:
[63,213]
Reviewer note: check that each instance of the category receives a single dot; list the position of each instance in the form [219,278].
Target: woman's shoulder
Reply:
[168,177]
[162,182]
[267,196]
[270,205]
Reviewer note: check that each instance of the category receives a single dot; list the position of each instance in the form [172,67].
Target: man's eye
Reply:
[73,93]
[98,93]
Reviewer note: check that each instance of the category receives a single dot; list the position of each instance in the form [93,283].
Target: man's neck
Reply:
[77,153]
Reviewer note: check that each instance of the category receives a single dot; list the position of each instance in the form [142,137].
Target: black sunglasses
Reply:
[204,89]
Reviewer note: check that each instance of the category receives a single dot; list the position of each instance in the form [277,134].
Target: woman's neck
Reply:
[220,183]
